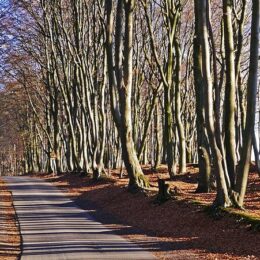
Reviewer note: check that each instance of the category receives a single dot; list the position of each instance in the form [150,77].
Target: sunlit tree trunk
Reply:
[244,163]
[230,92]
[177,98]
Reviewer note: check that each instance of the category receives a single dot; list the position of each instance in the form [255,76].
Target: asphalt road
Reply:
[53,227]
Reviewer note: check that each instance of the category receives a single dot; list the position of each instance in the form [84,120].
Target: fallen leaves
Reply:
[177,229]
[9,233]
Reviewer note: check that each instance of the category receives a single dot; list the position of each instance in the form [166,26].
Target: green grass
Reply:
[240,216]
[244,217]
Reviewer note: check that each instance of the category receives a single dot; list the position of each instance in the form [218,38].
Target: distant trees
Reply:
[169,67]
[107,84]
[13,120]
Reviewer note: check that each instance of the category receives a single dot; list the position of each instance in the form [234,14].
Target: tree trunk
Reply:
[222,198]
[230,92]
[158,138]
[124,87]
[204,176]
[202,144]
[256,153]
[180,127]
[244,163]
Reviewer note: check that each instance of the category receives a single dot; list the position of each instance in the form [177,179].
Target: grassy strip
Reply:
[244,217]
[239,215]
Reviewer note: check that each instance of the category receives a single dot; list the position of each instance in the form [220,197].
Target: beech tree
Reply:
[122,81]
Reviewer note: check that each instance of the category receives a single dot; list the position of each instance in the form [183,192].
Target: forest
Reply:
[91,86]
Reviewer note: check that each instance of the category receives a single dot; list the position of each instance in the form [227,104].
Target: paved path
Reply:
[53,227]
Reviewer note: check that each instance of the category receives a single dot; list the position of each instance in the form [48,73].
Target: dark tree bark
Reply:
[203,153]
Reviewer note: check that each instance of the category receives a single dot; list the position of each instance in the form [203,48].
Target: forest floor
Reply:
[181,228]
[9,229]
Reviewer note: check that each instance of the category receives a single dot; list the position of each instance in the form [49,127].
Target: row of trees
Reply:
[99,84]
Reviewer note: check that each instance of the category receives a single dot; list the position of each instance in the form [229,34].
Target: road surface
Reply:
[54,227]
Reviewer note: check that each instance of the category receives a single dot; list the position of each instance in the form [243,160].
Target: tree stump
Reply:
[164,191]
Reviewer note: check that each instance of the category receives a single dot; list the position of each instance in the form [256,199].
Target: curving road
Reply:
[53,227]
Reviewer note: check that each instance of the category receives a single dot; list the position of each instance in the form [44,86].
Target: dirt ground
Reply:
[9,231]
[180,228]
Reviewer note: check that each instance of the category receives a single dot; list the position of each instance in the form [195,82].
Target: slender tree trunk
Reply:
[203,154]
[256,153]
[180,127]
[158,138]
[230,92]
[244,163]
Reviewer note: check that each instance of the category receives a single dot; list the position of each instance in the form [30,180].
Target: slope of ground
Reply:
[9,230]
[177,229]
